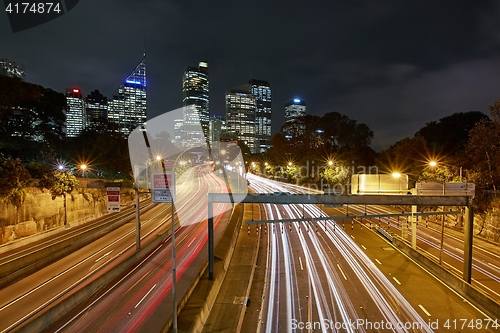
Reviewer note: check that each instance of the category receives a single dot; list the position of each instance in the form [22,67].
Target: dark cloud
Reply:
[394,65]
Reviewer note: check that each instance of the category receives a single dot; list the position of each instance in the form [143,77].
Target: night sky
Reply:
[394,65]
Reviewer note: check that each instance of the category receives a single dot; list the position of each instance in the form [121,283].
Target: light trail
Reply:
[329,283]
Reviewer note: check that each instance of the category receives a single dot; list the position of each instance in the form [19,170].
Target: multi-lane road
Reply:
[485,263]
[320,277]
[127,303]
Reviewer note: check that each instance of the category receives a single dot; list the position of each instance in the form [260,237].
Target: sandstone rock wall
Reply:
[487,225]
[41,212]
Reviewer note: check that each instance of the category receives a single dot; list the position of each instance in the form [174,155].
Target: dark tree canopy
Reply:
[449,134]
[333,134]
[31,117]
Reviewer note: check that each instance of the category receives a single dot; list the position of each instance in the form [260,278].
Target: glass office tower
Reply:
[241,109]
[76,117]
[195,88]
[262,92]
[127,107]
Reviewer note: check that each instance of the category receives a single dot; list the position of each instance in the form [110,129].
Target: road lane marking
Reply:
[142,299]
[135,284]
[494,265]
[300,261]
[352,237]
[341,271]
[397,281]
[425,311]
[363,247]
[104,255]
[378,261]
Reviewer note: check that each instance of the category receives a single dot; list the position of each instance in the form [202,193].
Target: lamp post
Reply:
[433,164]
[83,169]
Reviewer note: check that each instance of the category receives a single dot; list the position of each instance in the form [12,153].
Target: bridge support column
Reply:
[414,227]
[468,237]
[210,239]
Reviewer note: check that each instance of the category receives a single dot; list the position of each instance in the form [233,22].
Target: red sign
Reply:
[162,180]
[113,194]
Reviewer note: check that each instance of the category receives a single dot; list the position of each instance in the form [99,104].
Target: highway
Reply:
[32,295]
[141,300]
[320,278]
[485,263]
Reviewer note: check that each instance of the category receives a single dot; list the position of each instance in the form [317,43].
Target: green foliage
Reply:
[336,174]
[483,154]
[59,182]
[309,141]
[104,148]
[31,118]
[449,135]
[13,178]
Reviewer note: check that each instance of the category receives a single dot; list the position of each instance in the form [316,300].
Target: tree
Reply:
[104,147]
[31,118]
[483,157]
[310,141]
[60,183]
[13,179]
[483,154]
[449,135]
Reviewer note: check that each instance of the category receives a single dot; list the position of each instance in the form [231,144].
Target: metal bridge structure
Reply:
[340,200]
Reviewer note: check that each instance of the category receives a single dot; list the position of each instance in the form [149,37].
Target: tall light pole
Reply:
[433,164]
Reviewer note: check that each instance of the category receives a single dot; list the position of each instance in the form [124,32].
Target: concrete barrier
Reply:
[69,302]
[464,289]
[223,253]
[33,262]
[17,269]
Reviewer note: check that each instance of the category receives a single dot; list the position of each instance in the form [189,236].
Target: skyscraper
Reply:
[97,107]
[76,117]
[178,125]
[195,88]
[127,107]
[262,92]
[12,69]
[240,115]
[217,127]
[294,108]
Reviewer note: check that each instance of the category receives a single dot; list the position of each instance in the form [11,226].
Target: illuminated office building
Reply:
[76,117]
[241,109]
[178,125]
[195,88]
[262,92]
[216,128]
[127,107]
[294,108]
[12,69]
[294,126]
[97,107]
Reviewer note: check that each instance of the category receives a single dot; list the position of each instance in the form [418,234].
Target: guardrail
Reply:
[386,234]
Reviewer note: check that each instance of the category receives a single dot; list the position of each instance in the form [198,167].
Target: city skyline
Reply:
[391,65]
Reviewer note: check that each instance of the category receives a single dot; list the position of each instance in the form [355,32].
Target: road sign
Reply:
[113,194]
[162,195]
[162,182]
